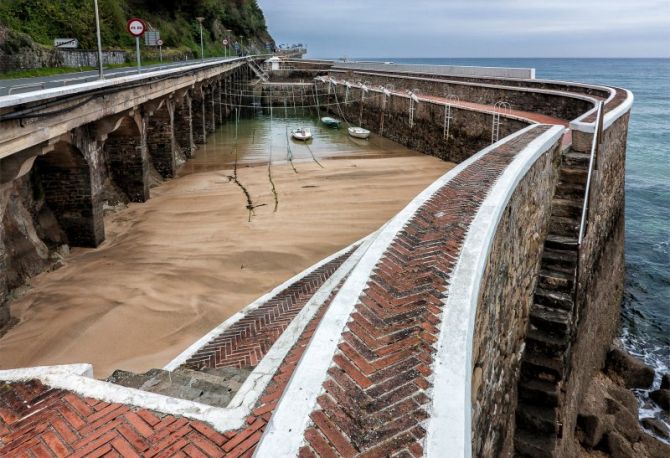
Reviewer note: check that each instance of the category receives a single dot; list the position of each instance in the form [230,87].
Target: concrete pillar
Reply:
[128,160]
[65,178]
[183,126]
[198,116]
[4,307]
[220,109]
[161,140]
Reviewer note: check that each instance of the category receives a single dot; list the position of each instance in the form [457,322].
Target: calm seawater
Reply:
[645,320]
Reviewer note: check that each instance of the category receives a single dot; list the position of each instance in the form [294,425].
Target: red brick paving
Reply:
[377,388]
[246,342]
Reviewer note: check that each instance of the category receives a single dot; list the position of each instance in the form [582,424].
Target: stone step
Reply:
[530,444]
[570,191]
[556,280]
[561,242]
[541,419]
[214,387]
[542,367]
[539,392]
[543,343]
[559,260]
[554,299]
[574,175]
[555,321]
[564,226]
[574,159]
[566,207]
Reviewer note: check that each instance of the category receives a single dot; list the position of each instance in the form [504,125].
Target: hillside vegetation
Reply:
[44,20]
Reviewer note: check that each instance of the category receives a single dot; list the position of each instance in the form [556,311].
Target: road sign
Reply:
[159,42]
[136,27]
[151,37]
[225,42]
[66,43]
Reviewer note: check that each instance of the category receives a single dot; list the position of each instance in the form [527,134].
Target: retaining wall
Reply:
[445,70]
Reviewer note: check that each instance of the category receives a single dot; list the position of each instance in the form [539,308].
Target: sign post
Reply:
[225,46]
[160,49]
[136,28]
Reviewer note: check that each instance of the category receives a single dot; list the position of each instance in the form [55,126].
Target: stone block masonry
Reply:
[183,126]
[161,140]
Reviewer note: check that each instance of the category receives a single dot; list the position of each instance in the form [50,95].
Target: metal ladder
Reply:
[498,109]
[448,115]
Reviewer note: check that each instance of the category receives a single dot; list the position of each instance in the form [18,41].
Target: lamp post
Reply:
[97,33]
[202,47]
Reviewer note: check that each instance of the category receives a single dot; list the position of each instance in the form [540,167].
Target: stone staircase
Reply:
[260,73]
[214,387]
[547,346]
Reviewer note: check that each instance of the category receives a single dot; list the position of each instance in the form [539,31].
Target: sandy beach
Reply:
[176,266]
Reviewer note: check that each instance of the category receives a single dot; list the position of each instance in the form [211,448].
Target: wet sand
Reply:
[176,266]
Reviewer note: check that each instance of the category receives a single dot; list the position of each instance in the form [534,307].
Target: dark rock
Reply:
[656,426]
[634,373]
[665,382]
[662,398]
[592,427]
[619,447]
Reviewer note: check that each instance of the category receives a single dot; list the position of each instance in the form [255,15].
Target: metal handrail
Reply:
[592,166]
[25,86]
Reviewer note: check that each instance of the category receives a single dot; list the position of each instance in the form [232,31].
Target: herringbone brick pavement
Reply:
[378,385]
[245,343]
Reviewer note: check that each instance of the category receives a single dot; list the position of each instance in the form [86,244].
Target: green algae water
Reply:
[262,137]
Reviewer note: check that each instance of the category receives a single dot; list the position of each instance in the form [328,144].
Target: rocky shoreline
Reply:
[608,421]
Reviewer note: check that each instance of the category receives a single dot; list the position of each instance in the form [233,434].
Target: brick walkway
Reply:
[378,385]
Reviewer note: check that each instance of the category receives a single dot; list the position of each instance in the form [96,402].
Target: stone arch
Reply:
[161,141]
[63,176]
[126,154]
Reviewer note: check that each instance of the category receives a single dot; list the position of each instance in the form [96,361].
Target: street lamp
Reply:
[202,48]
[97,32]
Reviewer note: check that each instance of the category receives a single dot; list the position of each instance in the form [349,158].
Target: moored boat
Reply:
[359,132]
[331,122]
[302,134]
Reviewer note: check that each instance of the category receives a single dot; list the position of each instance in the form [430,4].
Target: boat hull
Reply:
[357,132]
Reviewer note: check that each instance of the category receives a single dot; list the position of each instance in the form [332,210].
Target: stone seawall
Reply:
[553,104]
[469,132]
[502,314]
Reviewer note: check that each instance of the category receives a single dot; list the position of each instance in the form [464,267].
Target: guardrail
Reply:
[26,86]
[593,166]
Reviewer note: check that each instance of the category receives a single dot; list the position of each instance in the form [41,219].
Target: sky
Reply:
[472,28]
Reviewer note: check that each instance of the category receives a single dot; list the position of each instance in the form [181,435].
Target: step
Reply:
[573,175]
[529,444]
[557,322]
[131,379]
[539,392]
[570,191]
[541,419]
[555,280]
[559,260]
[554,299]
[561,242]
[564,226]
[544,343]
[566,207]
[542,367]
[574,159]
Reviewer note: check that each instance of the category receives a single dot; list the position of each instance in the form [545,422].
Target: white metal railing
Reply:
[25,86]
[593,165]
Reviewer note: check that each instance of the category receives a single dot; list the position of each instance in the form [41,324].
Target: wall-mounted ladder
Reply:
[448,115]
[499,108]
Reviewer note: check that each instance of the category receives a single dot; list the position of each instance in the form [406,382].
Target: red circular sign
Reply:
[136,27]
[225,42]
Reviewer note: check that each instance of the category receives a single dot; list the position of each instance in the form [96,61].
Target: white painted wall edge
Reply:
[204,340]
[34,96]
[610,117]
[452,70]
[284,433]
[449,426]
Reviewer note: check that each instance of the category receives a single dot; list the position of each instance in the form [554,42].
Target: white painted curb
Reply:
[449,426]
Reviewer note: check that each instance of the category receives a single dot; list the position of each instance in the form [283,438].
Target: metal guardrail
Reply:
[593,166]
[26,86]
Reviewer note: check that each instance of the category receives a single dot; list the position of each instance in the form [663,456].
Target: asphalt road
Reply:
[23,85]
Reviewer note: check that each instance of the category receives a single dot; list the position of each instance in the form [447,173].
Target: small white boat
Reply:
[302,134]
[359,132]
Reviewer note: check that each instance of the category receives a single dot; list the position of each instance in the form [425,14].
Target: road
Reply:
[22,85]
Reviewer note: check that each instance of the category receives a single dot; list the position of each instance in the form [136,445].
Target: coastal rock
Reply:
[662,398]
[656,426]
[633,373]
[619,447]
[665,382]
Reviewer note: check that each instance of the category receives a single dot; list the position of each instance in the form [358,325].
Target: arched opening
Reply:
[126,156]
[62,179]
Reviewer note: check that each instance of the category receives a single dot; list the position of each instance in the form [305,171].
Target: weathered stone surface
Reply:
[662,398]
[656,426]
[634,373]
[619,447]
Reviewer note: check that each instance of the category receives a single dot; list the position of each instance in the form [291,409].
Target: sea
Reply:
[645,315]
